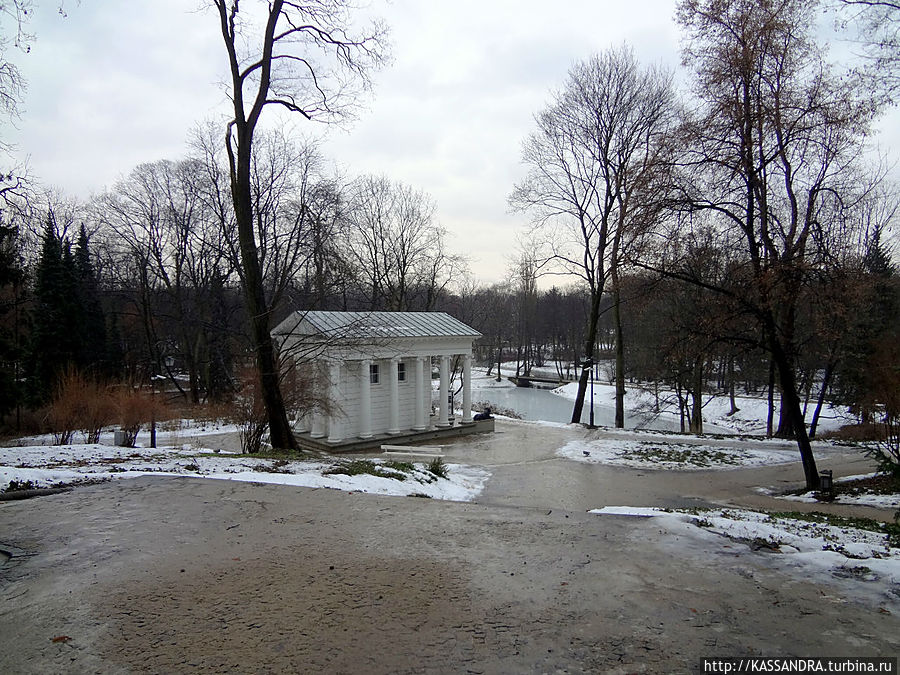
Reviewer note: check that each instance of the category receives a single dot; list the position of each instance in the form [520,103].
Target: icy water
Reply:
[535,404]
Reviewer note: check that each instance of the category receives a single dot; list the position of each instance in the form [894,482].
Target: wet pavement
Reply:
[527,472]
[173,575]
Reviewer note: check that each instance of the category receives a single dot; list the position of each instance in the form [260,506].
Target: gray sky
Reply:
[121,82]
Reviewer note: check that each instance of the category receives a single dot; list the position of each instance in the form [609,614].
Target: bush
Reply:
[249,412]
[81,404]
[64,411]
[886,450]
[99,411]
[437,467]
[134,408]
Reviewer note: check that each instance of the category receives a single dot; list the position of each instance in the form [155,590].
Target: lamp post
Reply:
[589,363]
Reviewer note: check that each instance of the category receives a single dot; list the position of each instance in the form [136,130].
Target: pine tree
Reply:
[55,316]
[93,348]
[858,378]
[11,278]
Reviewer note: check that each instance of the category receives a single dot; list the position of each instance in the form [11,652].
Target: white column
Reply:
[394,427]
[318,425]
[334,417]
[420,393]
[467,389]
[444,405]
[365,399]
[301,425]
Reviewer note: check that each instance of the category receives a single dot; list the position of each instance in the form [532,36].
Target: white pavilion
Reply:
[376,368]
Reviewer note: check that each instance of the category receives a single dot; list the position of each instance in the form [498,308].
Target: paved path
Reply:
[527,472]
[169,575]
[177,575]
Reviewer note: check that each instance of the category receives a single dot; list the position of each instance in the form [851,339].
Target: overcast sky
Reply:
[117,83]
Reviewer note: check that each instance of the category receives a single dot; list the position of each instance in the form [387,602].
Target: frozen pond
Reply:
[533,403]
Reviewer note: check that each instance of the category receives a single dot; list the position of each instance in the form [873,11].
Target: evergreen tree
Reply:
[93,348]
[859,374]
[11,278]
[54,338]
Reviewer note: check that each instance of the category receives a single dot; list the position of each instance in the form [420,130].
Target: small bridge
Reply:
[528,380]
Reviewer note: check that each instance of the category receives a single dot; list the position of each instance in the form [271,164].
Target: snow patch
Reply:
[45,465]
[661,454]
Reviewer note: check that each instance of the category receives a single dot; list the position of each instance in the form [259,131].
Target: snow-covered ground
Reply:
[642,402]
[811,543]
[182,453]
[749,419]
[860,498]
[663,452]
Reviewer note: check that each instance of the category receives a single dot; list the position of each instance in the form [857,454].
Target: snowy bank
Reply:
[810,542]
[48,465]
[662,453]
[749,419]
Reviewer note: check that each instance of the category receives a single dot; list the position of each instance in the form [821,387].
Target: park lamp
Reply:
[589,363]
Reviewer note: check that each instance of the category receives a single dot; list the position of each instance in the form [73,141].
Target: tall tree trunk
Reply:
[620,352]
[590,341]
[826,382]
[731,398]
[242,128]
[280,433]
[791,405]
[696,423]
[785,421]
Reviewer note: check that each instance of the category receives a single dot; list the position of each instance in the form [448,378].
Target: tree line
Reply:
[150,286]
[735,234]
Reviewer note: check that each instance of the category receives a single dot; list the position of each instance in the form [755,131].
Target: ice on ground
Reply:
[661,454]
[845,552]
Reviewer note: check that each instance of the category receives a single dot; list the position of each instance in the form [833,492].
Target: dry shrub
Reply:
[249,412]
[305,388]
[80,403]
[135,407]
[99,411]
[213,413]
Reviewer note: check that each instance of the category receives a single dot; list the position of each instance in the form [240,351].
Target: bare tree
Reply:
[874,29]
[14,33]
[285,186]
[325,260]
[772,153]
[168,239]
[303,59]
[396,247]
[592,163]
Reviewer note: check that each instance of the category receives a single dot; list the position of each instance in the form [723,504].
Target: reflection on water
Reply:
[542,404]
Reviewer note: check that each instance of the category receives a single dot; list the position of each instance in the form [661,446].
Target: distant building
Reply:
[374,370]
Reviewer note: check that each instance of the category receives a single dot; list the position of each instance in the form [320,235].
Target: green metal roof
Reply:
[381,325]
